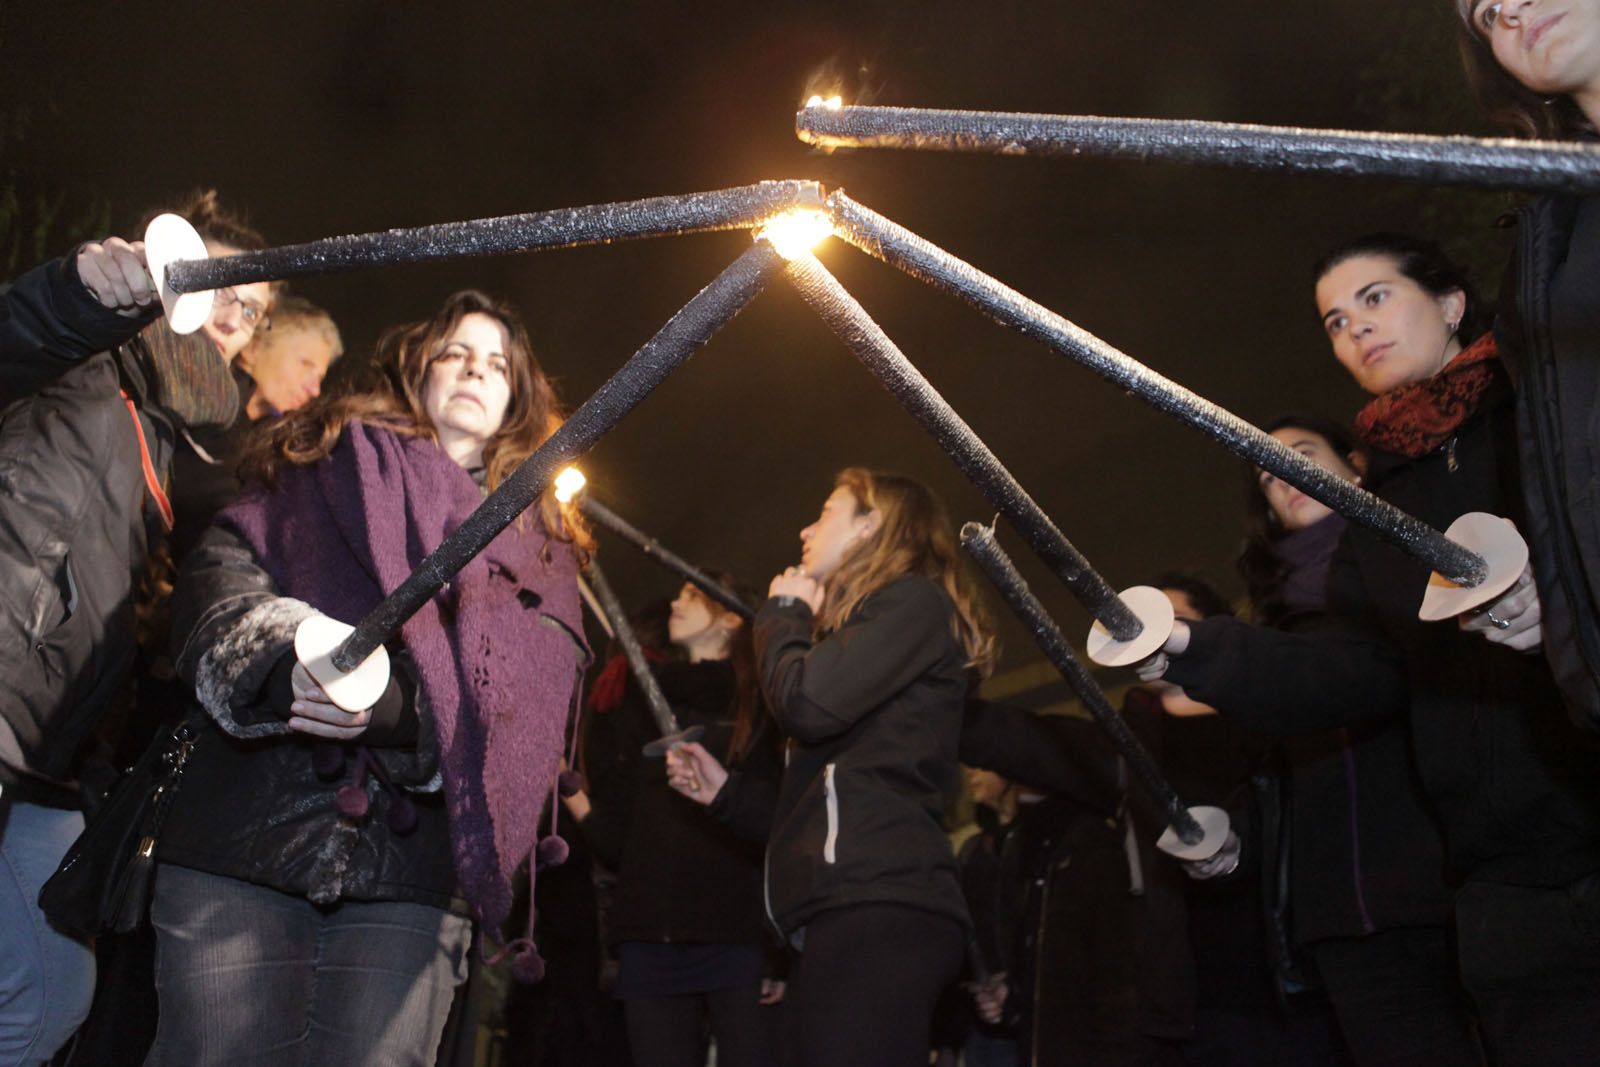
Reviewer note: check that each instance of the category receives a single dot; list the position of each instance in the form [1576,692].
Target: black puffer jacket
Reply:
[1549,335]
[1513,782]
[873,714]
[73,520]
[683,876]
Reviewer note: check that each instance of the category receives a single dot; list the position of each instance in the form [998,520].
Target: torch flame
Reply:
[833,103]
[569,483]
[796,232]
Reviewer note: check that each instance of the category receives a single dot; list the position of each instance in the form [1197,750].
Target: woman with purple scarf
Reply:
[1362,857]
[320,869]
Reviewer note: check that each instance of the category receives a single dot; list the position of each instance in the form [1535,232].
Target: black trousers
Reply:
[1398,997]
[1530,957]
[670,1031]
[865,987]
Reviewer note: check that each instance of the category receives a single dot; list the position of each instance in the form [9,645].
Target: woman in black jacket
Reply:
[1367,893]
[1513,782]
[1536,67]
[686,917]
[866,651]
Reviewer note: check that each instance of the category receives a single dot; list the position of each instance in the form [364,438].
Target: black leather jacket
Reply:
[73,520]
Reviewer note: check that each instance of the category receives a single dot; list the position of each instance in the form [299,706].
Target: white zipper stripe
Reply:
[829,847]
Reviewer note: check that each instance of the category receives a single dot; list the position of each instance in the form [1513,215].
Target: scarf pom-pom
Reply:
[352,801]
[328,760]
[552,852]
[570,783]
[402,817]
[528,966]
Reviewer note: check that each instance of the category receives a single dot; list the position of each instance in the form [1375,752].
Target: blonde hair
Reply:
[292,314]
[913,537]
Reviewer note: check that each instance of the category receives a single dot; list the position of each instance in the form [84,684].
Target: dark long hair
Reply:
[1424,263]
[749,710]
[394,402]
[1263,572]
[1507,101]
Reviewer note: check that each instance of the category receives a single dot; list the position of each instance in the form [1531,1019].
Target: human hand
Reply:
[1225,861]
[771,991]
[1514,619]
[798,584]
[115,273]
[694,772]
[989,998]
[1176,644]
[313,713]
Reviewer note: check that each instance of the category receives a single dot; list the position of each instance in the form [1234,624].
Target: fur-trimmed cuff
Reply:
[232,675]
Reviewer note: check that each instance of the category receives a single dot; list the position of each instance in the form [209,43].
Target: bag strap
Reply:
[151,482]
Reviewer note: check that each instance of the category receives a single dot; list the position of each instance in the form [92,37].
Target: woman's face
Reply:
[1292,508]
[287,363]
[236,311]
[1386,330]
[1551,46]
[692,616]
[467,387]
[837,531]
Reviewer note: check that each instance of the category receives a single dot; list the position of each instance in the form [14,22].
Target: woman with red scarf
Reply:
[1512,779]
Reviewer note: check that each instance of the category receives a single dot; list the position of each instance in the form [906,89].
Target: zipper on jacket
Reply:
[831,793]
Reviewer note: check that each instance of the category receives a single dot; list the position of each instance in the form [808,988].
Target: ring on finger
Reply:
[1495,621]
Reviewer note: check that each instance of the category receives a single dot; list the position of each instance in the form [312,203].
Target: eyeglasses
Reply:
[251,314]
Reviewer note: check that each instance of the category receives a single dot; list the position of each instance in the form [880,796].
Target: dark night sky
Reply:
[326,118]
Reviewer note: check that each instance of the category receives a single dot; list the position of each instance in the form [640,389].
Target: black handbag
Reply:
[103,882]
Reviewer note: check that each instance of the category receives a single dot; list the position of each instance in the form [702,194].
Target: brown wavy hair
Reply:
[914,537]
[394,401]
[1507,101]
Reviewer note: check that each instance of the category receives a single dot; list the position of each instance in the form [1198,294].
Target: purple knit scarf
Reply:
[342,533]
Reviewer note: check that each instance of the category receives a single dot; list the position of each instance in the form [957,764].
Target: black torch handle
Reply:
[1486,163]
[745,207]
[638,666]
[980,543]
[705,313]
[708,585]
[899,247]
[863,336]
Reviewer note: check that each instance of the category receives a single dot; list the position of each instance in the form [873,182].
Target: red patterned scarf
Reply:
[1413,420]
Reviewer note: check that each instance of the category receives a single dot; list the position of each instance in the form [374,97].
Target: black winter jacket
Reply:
[1549,336]
[683,876]
[73,520]
[1513,782]
[253,805]
[873,714]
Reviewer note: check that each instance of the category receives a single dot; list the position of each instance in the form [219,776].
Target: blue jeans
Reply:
[250,975]
[46,978]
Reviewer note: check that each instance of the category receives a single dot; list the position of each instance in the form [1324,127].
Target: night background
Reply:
[318,119]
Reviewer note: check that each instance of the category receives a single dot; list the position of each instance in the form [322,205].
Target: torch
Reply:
[1485,163]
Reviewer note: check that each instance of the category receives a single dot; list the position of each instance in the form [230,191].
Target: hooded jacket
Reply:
[79,385]
[873,713]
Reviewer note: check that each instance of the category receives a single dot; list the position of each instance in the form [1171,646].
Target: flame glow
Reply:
[833,103]
[569,483]
[796,232]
